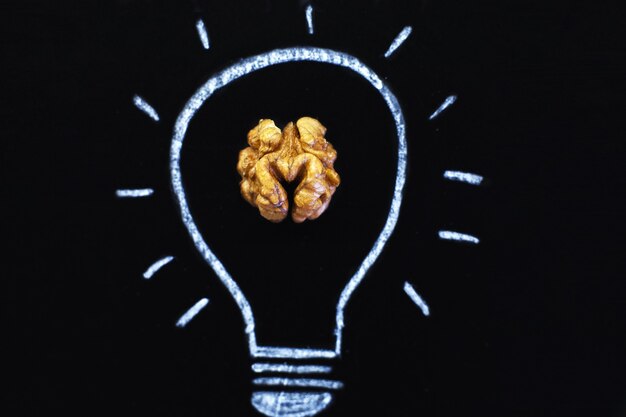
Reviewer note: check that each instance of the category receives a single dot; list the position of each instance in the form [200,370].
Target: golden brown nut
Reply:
[298,153]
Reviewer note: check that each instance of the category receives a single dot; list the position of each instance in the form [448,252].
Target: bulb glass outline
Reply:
[225,77]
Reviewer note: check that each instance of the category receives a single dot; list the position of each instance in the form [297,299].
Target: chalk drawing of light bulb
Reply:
[294,395]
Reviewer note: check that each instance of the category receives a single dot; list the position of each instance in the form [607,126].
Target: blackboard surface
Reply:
[529,321]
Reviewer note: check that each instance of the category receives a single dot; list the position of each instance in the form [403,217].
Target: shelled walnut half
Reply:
[297,153]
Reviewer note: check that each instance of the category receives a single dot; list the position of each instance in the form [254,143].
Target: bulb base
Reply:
[290,404]
[293,388]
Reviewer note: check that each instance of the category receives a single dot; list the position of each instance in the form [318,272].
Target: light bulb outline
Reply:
[223,78]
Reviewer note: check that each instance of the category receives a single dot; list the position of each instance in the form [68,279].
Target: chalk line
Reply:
[192,312]
[410,291]
[399,40]
[143,105]
[152,269]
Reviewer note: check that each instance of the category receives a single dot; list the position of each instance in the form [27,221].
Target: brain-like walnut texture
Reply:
[297,153]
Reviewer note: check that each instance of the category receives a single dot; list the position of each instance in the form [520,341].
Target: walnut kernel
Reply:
[297,153]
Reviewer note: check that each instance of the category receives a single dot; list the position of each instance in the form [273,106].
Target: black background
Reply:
[529,322]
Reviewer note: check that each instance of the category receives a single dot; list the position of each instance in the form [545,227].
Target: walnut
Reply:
[297,153]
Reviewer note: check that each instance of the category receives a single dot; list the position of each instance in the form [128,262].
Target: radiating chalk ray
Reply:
[410,291]
[463,177]
[399,40]
[299,382]
[134,193]
[309,18]
[192,312]
[461,237]
[152,269]
[204,36]
[447,103]
[142,105]
[290,369]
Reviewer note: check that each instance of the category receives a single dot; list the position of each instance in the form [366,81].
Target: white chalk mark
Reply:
[222,79]
[410,291]
[446,103]
[299,382]
[290,369]
[461,237]
[191,313]
[399,40]
[204,36]
[290,404]
[309,18]
[463,177]
[134,193]
[156,266]
[292,353]
[142,105]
